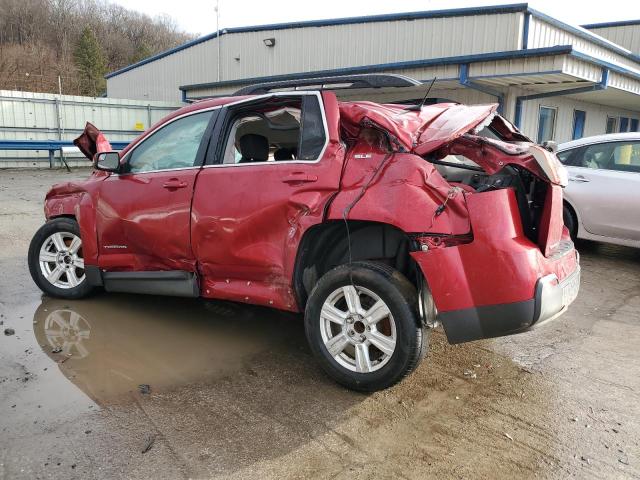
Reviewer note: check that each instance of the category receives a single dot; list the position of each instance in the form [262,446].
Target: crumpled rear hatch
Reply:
[449,128]
[417,132]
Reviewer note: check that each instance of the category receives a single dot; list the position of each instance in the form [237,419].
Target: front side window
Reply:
[621,156]
[172,146]
[546,123]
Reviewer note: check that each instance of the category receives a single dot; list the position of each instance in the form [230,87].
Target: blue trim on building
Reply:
[602,85]
[466,82]
[621,23]
[48,144]
[431,62]
[451,12]
[525,30]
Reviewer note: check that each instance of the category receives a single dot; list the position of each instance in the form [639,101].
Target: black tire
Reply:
[400,297]
[570,221]
[56,225]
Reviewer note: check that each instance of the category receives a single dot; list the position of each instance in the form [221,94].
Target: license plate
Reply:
[570,289]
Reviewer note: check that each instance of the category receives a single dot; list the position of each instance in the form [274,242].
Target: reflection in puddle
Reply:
[108,345]
[66,330]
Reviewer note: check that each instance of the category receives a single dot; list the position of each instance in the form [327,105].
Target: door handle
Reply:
[174,183]
[299,177]
[578,178]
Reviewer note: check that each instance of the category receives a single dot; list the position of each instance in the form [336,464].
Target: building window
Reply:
[546,123]
[612,123]
[634,125]
[624,124]
[579,118]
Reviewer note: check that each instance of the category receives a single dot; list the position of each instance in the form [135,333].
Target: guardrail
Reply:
[51,146]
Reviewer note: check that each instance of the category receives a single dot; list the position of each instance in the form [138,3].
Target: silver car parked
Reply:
[602,200]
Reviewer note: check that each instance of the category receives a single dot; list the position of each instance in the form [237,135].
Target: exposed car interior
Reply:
[264,136]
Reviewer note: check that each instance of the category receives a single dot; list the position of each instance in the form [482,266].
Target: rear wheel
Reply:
[56,263]
[570,221]
[363,326]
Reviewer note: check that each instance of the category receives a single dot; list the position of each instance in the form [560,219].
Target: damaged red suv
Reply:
[378,221]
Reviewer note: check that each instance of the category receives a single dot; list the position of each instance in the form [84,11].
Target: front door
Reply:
[143,213]
[278,164]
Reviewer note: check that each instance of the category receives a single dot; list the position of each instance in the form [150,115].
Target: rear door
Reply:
[277,164]
[604,185]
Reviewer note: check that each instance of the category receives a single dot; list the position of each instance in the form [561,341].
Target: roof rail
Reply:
[342,82]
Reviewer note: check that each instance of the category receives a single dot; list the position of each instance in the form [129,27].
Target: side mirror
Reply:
[107,161]
[550,146]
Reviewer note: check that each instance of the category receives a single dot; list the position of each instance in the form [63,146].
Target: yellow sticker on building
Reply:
[139,126]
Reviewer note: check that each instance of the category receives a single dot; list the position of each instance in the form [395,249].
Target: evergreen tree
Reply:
[142,51]
[91,64]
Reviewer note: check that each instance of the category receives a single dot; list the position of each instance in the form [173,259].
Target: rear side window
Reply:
[172,146]
[276,130]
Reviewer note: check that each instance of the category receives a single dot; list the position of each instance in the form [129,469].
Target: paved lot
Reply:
[235,392]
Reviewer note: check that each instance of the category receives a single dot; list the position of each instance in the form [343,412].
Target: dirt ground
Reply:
[235,392]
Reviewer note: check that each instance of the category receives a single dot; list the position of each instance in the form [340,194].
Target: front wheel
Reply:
[56,263]
[363,326]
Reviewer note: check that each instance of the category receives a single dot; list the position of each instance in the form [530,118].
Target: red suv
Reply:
[378,221]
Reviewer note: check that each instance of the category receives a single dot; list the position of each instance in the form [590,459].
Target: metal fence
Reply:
[35,120]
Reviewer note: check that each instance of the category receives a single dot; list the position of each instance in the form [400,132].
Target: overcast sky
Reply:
[198,16]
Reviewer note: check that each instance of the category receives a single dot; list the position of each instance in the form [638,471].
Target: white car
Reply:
[602,200]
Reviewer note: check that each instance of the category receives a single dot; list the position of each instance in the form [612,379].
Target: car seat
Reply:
[254,148]
[284,154]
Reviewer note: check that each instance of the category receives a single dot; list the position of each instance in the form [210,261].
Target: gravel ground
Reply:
[234,392]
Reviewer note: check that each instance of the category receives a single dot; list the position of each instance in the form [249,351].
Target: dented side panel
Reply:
[405,193]
[77,200]
[247,221]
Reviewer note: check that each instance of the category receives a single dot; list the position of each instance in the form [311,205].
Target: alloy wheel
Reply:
[61,261]
[357,329]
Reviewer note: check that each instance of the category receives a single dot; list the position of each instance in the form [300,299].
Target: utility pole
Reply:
[218,35]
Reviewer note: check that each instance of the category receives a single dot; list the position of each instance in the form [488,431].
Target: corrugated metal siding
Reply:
[517,66]
[581,69]
[543,34]
[627,36]
[319,48]
[596,117]
[33,116]
[625,83]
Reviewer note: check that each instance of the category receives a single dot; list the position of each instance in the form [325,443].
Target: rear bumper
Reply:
[550,301]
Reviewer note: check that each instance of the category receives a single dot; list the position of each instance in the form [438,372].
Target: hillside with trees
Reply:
[76,40]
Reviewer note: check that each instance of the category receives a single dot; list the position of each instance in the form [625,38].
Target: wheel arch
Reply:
[575,214]
[326,245]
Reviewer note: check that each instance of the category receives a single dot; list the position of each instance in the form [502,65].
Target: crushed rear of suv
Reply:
[376,220]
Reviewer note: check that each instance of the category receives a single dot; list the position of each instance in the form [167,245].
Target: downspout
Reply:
[602,85]
[465,82]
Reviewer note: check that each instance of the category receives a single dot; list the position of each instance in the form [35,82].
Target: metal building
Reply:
[554,80]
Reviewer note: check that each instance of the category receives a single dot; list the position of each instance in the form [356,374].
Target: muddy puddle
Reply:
[109,346]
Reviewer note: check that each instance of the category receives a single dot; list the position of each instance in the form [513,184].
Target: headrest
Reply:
[254,148]
[284,154]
